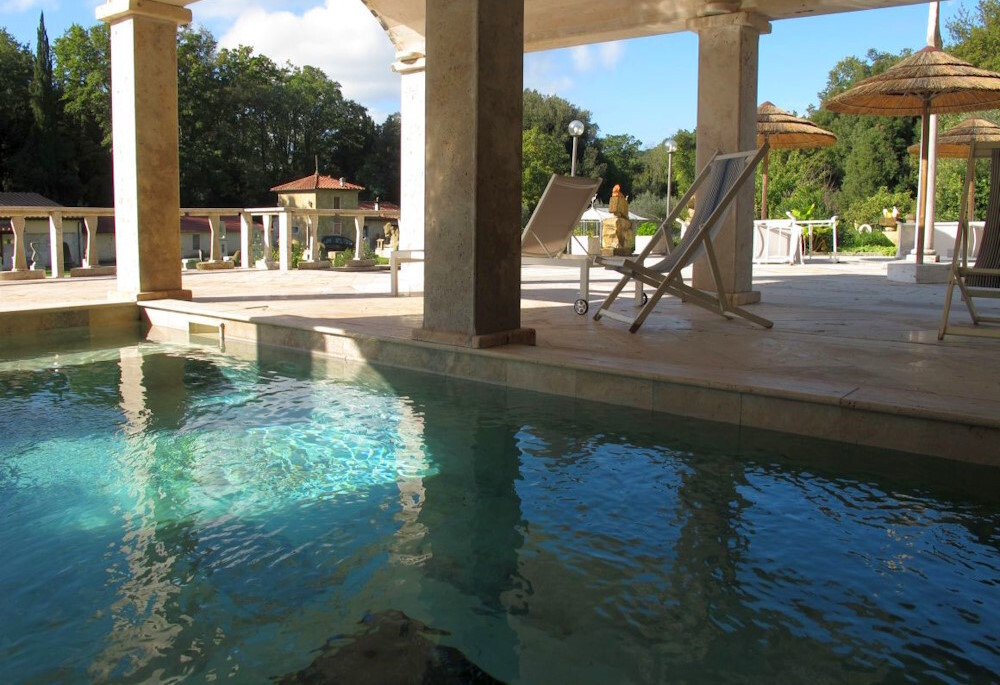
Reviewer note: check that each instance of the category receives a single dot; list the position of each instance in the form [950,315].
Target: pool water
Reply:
[174,514]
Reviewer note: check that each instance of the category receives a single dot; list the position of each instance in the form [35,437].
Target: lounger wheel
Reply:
[645,299]
[581,306]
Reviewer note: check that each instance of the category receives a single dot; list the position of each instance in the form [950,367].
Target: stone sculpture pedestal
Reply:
[617,237]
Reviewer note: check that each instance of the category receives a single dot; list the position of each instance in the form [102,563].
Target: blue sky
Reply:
[644,87]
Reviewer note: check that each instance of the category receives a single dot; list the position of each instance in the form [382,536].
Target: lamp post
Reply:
[671,148]
[576,129]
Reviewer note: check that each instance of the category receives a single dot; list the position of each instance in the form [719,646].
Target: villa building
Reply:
[325,192]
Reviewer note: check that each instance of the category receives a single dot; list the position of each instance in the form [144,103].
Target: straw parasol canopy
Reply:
[930,81]
[927,82]
[780,129]
[955,142]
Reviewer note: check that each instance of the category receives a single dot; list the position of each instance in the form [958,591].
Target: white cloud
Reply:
[611,54]
[341,37]
[542,72]
[583,58]
[586,58]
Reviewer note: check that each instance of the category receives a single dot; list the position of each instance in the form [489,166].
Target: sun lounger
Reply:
[558,212]
[717,186]
[982,279]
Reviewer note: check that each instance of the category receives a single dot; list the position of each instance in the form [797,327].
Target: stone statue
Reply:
[617,233]
[392,235]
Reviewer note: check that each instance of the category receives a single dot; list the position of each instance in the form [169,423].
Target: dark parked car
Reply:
[333,243]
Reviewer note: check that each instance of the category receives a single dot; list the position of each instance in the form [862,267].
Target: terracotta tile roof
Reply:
[317,182]
[387,208]
[26,200]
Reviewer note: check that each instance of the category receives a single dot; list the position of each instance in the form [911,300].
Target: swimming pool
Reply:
[172,513]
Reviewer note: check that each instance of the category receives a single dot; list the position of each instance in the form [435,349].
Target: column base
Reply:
[517,336]
[313,266]
[740,299]
[25,275]
[911,272]
[149,295]
[92,271]
[930,257]
[214,266]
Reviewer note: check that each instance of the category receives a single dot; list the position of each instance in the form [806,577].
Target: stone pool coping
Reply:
[852,358]
[910,422]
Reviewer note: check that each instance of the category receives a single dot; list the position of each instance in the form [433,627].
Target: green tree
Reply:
[976,35]
[83,74]
[381,173]
[15,113]
[623,162]
[550,115]
[46,163]
[543,155]
[207,176]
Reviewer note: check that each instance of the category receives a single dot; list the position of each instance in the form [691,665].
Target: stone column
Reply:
[268,224]
[215,252]
[246,226]
[92,257]
[472,268]
[284,241]
[55,244]
[312,220]
[19,262]
[146,161]
[412,138]
[727,122]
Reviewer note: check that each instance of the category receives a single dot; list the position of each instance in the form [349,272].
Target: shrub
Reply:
[297,251]
[874,239]
[822,239]
[869,210]
[647,228]
[648,204]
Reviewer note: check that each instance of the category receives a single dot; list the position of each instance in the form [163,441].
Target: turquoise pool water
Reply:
[177,515]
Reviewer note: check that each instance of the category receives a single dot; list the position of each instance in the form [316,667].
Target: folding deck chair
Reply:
[982,280]
[558,212]
[544,239]
[717,186]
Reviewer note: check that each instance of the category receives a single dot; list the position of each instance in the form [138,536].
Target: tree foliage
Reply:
[245,123]
[15,112]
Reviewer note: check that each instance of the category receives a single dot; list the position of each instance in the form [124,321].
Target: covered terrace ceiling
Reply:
[565,23]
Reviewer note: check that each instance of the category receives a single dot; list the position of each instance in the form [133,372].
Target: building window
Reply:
[196,241]
[336,203]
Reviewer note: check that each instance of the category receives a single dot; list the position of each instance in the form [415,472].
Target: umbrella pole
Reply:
[925,125]
[972,200]
[763,184]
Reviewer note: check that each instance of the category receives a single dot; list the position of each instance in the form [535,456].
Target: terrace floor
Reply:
[852,357]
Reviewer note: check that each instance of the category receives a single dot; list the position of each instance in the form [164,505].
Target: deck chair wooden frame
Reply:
[544,239]
[666,276]
[964,276]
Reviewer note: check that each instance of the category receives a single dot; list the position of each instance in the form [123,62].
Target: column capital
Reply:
[409,62]
[117,10]
[751,20]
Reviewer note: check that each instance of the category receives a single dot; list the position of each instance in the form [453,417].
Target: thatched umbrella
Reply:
[782,130]
[927,82]
[955,143]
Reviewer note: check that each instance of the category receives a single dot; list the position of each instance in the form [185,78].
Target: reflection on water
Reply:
[179,514]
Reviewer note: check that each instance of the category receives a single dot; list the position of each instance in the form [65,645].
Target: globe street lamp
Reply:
[671,148]
[576,129]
